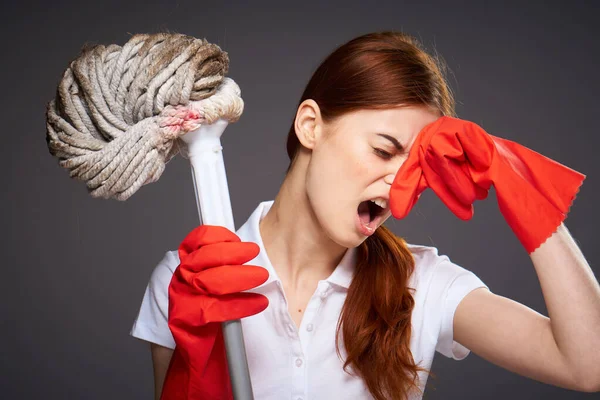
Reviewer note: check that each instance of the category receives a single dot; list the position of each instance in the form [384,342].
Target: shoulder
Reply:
[428,261]
[165,268]
[170,260]
[440,285]
[436,272]
[425,256]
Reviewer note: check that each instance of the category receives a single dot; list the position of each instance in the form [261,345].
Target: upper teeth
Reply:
[380,202]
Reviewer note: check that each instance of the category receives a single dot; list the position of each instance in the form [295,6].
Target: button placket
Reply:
[299,377]
[307,325]
[315,304]
[298,363]
[297,355]
[291,329]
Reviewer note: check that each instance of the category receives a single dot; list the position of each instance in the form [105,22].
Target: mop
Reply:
[122,112]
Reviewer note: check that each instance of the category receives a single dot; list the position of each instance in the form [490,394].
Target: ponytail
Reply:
[376,317]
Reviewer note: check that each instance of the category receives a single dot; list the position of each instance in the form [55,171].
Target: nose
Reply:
[392,172]
[389,179]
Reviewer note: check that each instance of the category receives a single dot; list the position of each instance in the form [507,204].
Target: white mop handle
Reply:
[214,208]
[208,171]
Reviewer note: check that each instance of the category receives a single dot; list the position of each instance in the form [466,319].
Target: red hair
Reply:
[375,71]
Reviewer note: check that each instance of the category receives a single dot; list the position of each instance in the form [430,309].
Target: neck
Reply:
[299,250]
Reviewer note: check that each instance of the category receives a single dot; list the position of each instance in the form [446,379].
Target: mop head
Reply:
[119,111]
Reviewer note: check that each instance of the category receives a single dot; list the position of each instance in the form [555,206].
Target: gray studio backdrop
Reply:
[75,268]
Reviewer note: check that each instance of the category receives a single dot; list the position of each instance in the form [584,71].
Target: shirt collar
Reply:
[341,275]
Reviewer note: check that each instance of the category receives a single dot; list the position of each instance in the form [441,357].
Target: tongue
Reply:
[363,213]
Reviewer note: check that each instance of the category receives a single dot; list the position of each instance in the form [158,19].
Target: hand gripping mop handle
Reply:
[214,208]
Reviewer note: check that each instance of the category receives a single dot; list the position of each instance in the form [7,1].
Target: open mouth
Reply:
[371,214]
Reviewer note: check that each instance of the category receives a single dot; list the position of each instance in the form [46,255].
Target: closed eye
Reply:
[382,153]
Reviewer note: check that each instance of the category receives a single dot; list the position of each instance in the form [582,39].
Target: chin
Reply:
[356,241]
[344,237]
[352,238]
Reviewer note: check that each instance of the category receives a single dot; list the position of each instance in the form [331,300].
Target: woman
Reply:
[335,269]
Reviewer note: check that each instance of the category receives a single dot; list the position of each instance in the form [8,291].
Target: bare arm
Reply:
[562,350]
[161,357]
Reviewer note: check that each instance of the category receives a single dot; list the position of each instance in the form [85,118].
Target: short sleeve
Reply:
[454,282]
[152,322]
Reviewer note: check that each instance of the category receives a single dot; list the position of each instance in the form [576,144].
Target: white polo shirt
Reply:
[301,364]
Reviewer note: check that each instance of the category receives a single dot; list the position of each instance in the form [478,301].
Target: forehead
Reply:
[404,123]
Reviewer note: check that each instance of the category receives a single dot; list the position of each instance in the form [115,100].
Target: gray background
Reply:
[76,267]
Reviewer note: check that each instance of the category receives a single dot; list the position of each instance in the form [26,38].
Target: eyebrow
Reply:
[394,141]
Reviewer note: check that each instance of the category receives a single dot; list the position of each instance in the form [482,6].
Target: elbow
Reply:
[595,388]
[590,385]
[584,374]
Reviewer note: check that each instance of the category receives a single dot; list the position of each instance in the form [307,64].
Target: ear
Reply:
[308,123]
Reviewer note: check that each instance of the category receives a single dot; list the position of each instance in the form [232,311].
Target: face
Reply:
[353,160]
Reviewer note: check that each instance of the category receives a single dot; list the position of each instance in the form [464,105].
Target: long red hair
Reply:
[375,71]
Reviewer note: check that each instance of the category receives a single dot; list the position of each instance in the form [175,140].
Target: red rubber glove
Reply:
[459,161]
[205,291]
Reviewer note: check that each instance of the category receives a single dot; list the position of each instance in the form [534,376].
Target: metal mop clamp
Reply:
[214,208]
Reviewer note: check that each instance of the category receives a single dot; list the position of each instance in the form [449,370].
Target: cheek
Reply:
[347,170]
[351,158]
[328,174]
[336,178]
[333,181]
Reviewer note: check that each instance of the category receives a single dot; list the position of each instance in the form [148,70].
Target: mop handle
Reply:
[214,208]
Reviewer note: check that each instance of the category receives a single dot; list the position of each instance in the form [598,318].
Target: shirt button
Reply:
[309,327]
[324,294]
[298,362]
